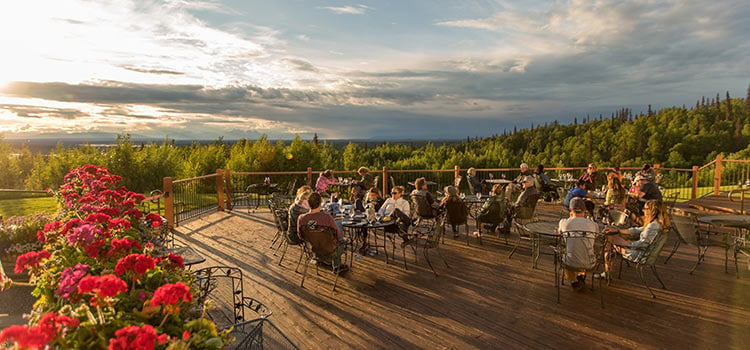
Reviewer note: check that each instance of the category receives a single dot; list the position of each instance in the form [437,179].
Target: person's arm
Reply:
[299,231]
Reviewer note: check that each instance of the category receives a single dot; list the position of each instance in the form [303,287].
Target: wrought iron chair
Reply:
[392,184]
[222,299]
[689,232]
[453,212]
[647,258]
[261,333]
[593,262]
[430,239]
[522,216]
[321,244]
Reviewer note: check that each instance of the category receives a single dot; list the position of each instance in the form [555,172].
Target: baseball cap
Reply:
[577,204]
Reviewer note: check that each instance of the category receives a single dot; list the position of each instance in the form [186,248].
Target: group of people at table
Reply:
[496,212]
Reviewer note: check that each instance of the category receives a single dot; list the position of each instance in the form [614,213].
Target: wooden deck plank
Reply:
[485,300]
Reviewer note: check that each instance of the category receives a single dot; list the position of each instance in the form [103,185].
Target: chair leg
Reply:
[557,275]
[301,255]
[275,239]
[701,253]
[304,272]
[518,243]
[639,268]
[653,268]
[427,257]
[285,245]
[674,249]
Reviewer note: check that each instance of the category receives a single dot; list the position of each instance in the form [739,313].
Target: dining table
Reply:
[738,240]
[189,255]
[540,230]
[260,189]
[353,229]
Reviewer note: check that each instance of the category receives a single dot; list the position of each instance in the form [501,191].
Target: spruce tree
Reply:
[729,107]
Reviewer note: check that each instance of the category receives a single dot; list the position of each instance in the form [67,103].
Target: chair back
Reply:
[290,187]
[392,184]
[654,249]
[375,182]
[456,212]
[223,287]
[281,219]
[582,249]
[322,239]
[457,183]
[422,208]
[686,228]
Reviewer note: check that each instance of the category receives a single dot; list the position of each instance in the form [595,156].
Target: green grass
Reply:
[24,206]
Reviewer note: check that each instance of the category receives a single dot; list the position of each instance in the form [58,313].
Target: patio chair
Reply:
[430,239]
[375,182]
[281,220]
[261,333]
[320,245]
[689,232]
[456,215]
[392,184]
[648,258]
[457,183]
[592,263]
[522,216]
[222,287]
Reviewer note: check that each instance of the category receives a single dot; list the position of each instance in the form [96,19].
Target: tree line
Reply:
[677,137]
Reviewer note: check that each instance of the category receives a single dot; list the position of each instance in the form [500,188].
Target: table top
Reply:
[365,223]
[498,181]
[543,227]
[429,183]
[741,221]
[188,254]
[564,180]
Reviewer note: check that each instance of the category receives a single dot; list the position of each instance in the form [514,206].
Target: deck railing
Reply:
[189,198]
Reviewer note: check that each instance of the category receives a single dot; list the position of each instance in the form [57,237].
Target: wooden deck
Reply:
[720,204]
[483,301]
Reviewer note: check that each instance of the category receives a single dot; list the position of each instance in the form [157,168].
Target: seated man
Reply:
[579,252]
[493,211]
[425,205]
[315,218]
[525,205]
[517,185]
[647,190]
[579,191]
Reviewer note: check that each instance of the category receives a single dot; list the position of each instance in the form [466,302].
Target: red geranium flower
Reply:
[175,260]
[135,265]
[136,338]
[102,287]
[122,245]
[37,337]
[29,260]
[169,295]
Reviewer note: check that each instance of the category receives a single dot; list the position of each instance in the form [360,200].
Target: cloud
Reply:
[347,10]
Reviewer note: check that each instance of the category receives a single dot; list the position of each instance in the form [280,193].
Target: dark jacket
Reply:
[493,210]
[456,210]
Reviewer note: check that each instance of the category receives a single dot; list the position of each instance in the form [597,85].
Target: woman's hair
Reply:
[450,191]
[593,166]
[540,168]
[363,170]
[419,183]
[304,188]
[303,196]
[497,189]
[619,190]
[646,167]
[656,212]
[356,191]
[399,189]
[327,173]
[471,171]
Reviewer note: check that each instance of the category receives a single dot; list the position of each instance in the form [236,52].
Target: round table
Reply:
[356,224]
[498,181]
[736,221]
[539,230]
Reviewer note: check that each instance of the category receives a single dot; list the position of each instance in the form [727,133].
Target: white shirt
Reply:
[391,204]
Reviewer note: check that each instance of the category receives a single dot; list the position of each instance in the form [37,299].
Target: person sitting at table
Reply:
[614,172]
[375,199]
[654,219]
[616,193]
[589,177]
[578,191]
[317,218]
[396,206]
[578,251]
[494,210]
[475,183]
[647,172]
[367,180]
[544,185]
[299,207]
[356,196]
[455,208]
[647,190]
[302,189]
[324,180]
[425,205]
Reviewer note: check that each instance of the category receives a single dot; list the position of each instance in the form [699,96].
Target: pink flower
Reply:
[69,279]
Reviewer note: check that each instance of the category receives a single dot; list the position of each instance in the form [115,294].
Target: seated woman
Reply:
[375,199]
[356,196]
[616,193]
[639,238]
[398,208]
[494,210]
[324,180]
[299,207]
[475,184]
[455,208]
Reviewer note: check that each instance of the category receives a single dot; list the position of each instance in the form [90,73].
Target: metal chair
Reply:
[522,216]
[260,333]
[647,258]
[593,262]
[453,212]
[321,244]
[430,239]
[222,287]
[689,232]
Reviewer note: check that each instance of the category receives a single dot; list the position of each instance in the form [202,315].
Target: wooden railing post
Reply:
[385,182]
[168,201]
[717,175]
[456,175]
[694,192]
[309,177]
[228,188]
[220,189]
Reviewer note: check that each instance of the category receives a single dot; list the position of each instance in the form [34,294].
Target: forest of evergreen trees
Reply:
[678,137]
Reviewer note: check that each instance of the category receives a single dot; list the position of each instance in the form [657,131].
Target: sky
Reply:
[418,69]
